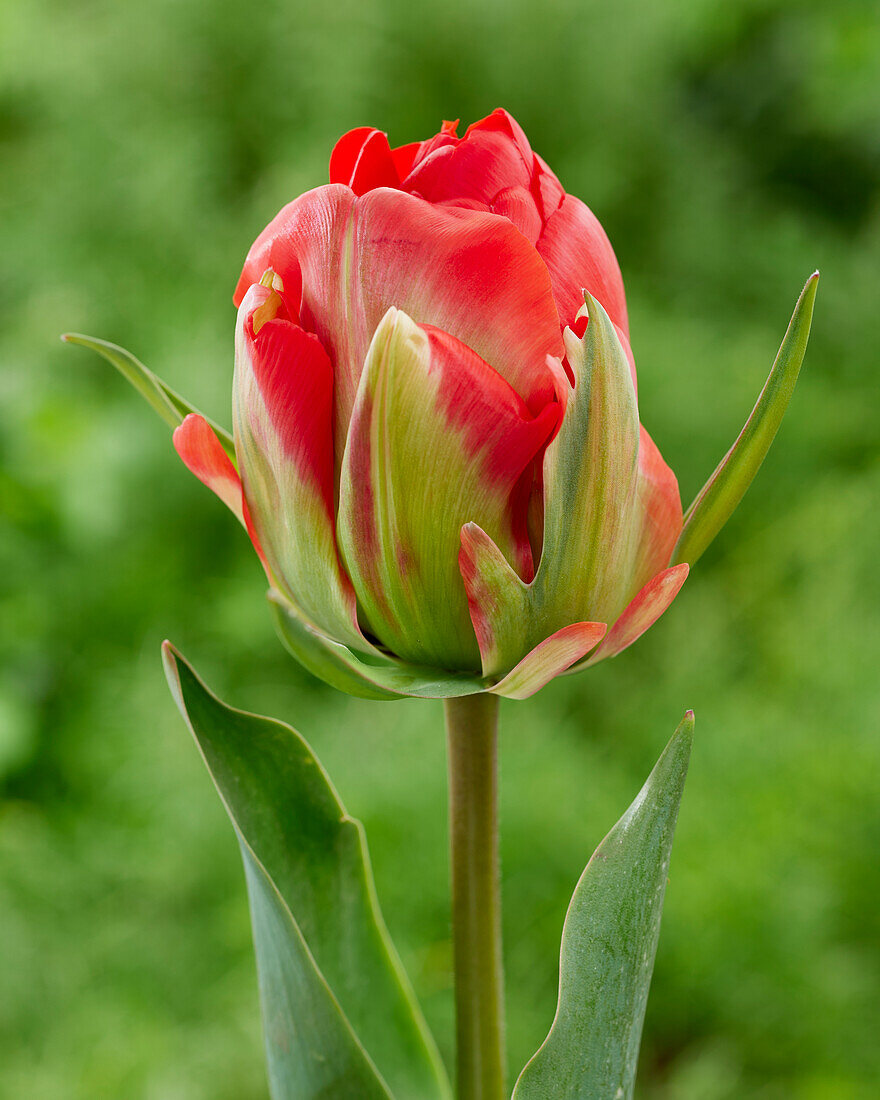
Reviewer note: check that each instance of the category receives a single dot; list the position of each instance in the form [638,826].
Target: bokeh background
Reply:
[729,148]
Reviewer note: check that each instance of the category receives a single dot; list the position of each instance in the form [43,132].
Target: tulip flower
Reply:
[438,456]
[437,439]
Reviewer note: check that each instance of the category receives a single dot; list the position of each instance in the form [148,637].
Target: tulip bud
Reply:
[437,438]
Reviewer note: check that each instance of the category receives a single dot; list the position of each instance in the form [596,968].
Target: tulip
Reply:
[438,456]
[437,447]
[441,467]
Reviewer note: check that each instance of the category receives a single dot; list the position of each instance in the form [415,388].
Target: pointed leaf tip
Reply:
[161,398]
[609,941]
[718,498]
[340,1016]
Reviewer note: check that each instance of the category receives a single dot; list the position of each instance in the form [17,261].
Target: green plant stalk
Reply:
[472,734]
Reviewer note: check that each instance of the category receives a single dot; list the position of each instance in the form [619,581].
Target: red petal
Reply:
[550,658]
[518,206]
[471,274]
[362,159]
[375,165]
[579,257]
[403,157]
[502,122]
[302,226]
[546,188]
[295,378]
[346,152]
[483,163]
[203,455]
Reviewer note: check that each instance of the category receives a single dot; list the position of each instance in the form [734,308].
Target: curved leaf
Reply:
[160,397]
[608,945]
[716,501]
[330,979]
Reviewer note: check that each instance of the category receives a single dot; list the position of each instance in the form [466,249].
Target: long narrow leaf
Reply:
[159,396]
[314,856]
[716,501]
[608,946]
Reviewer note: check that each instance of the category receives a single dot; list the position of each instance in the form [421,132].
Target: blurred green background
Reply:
[729,148]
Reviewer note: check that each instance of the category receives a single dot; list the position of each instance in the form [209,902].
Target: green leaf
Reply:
[311,1050]
[716,501]
[160,397]
[339,1015]
[608,945]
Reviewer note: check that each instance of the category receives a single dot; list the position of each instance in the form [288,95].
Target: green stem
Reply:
[472,732]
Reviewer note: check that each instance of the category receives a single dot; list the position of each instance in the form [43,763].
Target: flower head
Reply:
[437,434]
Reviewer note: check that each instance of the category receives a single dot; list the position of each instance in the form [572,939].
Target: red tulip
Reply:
[436,423]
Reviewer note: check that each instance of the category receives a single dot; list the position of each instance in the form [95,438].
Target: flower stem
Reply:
[472,733]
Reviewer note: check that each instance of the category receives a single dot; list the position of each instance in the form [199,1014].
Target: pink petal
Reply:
[547,660]
[642,612]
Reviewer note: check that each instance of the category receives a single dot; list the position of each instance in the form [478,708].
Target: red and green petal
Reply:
[590,481]
[659,513]
[470,274]
[283,412]
[518,644]
[437,438]
[611,513]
